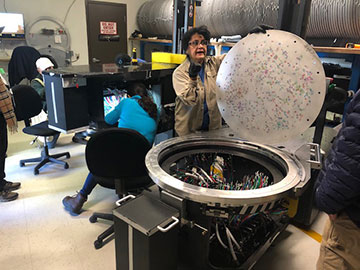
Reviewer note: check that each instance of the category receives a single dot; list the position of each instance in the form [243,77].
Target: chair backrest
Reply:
[22,64]
[27,102]
[117,153]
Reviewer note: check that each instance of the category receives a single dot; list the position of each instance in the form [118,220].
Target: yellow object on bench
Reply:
[164,57]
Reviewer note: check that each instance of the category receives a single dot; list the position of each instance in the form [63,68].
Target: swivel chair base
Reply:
[46,158]
[99,242]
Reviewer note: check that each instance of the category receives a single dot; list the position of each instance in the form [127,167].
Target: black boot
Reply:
[9,186]
[7,196]
[74,203]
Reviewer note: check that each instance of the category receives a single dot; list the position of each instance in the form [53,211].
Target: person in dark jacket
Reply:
[22,64]
[338,195]
[43,63]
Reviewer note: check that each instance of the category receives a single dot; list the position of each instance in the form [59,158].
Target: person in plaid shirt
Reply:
[7,120]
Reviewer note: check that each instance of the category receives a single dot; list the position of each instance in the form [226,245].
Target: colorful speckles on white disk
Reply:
[270,87]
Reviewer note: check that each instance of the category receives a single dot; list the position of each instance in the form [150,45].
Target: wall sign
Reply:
[108,28]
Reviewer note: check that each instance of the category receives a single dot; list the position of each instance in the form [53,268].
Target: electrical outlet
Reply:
[57,39]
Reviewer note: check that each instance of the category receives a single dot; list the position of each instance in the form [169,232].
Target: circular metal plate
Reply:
[270,87]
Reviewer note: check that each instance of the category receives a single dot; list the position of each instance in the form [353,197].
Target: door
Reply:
[106,30]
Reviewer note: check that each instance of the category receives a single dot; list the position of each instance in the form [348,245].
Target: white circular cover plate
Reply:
[271,87]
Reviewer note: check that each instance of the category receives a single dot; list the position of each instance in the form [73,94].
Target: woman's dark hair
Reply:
[145,102]
[201,30]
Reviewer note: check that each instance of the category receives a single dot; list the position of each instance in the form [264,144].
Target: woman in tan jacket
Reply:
[194,82]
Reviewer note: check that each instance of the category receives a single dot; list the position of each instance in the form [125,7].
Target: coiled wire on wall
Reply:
[328,18]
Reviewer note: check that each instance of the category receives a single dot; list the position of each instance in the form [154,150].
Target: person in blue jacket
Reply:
[338,194]
[137,112]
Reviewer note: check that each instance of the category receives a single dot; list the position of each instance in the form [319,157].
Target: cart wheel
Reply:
[93,219]
[66,166]
[36,171]
[22,164]
[97,244]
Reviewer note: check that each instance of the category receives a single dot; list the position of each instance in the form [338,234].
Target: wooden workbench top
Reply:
[337,50]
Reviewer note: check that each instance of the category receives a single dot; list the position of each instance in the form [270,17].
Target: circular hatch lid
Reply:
[271,87]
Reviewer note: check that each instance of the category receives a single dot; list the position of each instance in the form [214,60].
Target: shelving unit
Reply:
[218,46]
[352,54]
[339,50]
[144,41]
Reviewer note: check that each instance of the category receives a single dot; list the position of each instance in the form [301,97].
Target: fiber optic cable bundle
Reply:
[235,239]
[216,172]
[216,169]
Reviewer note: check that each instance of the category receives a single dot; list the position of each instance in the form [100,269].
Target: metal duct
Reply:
[328,19]
[155,18]
[334,18]
[232,17]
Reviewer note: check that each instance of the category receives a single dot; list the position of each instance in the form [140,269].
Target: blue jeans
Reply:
[89,185]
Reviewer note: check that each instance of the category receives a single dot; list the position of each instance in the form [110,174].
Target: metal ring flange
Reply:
[295,172]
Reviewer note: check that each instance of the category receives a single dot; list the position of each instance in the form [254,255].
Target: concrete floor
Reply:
[36,233]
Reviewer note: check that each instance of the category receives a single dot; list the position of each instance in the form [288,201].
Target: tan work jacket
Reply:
[189,103]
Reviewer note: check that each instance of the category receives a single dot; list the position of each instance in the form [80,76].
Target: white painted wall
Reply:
[76,19]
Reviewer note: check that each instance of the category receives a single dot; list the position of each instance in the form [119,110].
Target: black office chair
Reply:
[28,104]
[116,157]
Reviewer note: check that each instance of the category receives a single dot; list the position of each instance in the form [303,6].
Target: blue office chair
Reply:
[116,157]
[28,104]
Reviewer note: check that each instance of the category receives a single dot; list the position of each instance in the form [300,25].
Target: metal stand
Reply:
[184,19]
[294,16]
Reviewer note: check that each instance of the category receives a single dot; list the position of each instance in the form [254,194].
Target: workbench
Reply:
[74,95]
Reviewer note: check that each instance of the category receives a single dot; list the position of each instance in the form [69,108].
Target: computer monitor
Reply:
[110,102]
[12,25]
[112,98]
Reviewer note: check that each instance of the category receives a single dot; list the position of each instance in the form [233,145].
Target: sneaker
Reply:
[7,196]
[9,186]
[78,139]
[74,203]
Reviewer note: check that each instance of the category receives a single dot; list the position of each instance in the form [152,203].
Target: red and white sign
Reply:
[108,28]
[111,68]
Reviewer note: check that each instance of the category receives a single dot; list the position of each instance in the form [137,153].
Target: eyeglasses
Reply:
[197,42]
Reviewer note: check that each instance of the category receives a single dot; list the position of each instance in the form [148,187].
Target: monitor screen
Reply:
[112,98]
[12,25]
[110,102]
